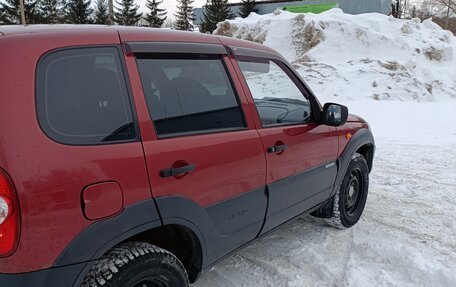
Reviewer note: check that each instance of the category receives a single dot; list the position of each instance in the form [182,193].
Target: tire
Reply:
[346,207]
[137,264]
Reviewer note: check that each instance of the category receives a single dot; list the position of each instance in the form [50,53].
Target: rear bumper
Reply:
[53,277]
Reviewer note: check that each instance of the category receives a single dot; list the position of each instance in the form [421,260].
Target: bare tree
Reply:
[21,5]
[168,23]
[442,12]
[425,10]
[447,8]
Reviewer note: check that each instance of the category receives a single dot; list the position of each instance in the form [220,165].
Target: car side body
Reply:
[200,195]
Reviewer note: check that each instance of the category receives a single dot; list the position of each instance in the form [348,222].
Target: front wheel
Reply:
[346,207]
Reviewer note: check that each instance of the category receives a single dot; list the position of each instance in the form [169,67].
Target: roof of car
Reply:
[127,33]
[6,30]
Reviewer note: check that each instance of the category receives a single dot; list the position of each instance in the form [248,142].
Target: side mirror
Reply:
[334,114]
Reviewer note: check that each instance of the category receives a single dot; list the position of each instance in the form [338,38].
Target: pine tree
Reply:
[50,11]
[215,11]
[78,12]
[247,7]
[157,16]
[184,15]
[101,12]
[10,12]
[127,14]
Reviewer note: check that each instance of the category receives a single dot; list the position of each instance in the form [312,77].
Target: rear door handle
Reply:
[277,148]
[176,171]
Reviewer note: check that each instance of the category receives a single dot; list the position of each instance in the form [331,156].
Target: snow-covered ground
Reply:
[401,77]
[406,237]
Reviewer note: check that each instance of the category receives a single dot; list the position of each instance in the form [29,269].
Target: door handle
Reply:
[176,171]
[277,148]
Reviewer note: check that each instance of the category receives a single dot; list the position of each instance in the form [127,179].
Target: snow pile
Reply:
[379,57]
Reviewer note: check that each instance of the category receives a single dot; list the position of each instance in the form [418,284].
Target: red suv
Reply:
[141,157]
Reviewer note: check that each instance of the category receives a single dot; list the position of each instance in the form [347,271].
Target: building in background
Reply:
[314,6]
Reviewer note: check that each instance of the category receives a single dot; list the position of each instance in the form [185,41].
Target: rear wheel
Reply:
[346,207]
[137,264]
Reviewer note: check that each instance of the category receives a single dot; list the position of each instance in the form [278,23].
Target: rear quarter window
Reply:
[82,97]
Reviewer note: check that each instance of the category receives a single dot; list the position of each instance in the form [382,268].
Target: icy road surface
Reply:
[406,237]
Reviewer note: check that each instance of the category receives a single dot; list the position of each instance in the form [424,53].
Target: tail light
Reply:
[9,216]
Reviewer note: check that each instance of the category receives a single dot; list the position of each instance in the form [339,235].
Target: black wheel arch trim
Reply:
[102,235]
[361,138]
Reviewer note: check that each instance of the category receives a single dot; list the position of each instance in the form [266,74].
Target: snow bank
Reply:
[370,56]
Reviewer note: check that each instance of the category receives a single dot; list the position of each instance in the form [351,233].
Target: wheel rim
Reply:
[353,192]
[156,281]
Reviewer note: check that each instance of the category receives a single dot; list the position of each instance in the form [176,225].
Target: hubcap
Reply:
[353,192]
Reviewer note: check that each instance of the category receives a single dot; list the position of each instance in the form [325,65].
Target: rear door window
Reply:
[189,94]
[82,97]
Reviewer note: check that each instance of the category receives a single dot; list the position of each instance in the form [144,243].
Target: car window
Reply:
[188,94]
[277,98]
[82,97]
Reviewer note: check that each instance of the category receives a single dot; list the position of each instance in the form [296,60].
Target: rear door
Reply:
[205,158]
[300,152]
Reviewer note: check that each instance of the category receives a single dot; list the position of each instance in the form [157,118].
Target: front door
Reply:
[205,164]
[300,153]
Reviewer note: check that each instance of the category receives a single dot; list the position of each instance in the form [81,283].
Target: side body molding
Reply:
[360,138]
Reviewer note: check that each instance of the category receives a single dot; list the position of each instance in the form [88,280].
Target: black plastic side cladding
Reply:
[220,228]
[53,277]
[234,214]
[297,194]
